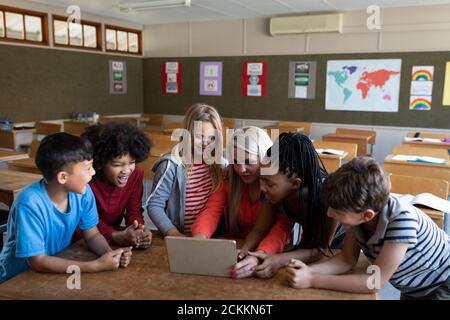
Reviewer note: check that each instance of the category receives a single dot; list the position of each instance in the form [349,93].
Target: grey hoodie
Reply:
[166,203]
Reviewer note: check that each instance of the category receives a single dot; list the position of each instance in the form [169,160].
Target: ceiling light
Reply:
[153,5]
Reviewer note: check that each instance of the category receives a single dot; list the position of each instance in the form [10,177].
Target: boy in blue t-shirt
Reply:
[404,245]
[46,213]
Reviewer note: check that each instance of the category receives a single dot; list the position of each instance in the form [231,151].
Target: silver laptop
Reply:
[209,257]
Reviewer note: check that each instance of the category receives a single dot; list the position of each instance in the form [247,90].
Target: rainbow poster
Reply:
[422,81]
[421,87]
[420,103]
[422,73]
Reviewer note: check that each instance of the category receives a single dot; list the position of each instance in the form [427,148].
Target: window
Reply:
[123,40]
[85,35]
[2,29]
[18,25]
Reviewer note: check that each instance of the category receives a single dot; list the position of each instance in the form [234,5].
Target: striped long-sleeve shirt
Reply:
[198,189]
[426,264]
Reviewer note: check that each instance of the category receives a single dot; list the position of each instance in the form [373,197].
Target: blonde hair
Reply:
[256,142]
[205,113]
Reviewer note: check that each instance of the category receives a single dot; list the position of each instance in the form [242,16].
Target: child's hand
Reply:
[270,265]
[125,258]
[298,275]
[144,237]
[242,253]
[128,236]
[110,260]
[244,268]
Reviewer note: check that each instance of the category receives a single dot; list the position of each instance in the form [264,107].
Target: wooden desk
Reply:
[148,277]
[12,182]
[332,162]
[360,140]
[12,139]
[435,215]
[433,145]
[6,155]
[418,169]
[24,165]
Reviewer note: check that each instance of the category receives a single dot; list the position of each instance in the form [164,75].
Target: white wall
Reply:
[421,28]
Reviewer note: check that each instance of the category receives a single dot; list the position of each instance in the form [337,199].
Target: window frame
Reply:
[127,30]
[25,12]
[98,28]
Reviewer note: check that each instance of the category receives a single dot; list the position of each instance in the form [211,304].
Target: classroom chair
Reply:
[297,124]
[74,127]
[370,133]
[46,128]
[415,185]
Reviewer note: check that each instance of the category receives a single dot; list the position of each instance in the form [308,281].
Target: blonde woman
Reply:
[181,186]
[239,195]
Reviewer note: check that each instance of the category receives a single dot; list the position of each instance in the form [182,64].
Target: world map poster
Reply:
[363,85]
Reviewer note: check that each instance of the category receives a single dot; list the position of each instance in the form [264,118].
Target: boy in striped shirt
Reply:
[409,249]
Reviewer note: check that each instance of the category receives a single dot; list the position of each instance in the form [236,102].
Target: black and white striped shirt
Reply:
[426,264]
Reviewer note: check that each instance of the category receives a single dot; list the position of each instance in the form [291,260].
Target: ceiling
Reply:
[227,9]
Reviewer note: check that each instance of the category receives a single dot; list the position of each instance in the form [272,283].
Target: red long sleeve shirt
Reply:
[115,204]
[208,220]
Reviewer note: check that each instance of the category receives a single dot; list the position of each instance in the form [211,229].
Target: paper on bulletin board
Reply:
[117,77]
[211,78]
[420,103]
[302,79]
[446,97]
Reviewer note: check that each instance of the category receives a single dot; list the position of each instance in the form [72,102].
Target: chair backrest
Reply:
[33,148]
[416,185]
[7,139]
[429,135]
[75,128]
[297,124]
[417,151]
[371,133]
[45,128]
[350,148]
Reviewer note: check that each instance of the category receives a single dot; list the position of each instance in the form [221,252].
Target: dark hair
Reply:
[298,157]
[59,149]
[117,139]
[357,186]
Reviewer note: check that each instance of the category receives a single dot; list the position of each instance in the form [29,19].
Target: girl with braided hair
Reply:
[296,191]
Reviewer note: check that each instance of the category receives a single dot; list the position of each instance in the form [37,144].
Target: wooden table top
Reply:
[347,136]
[148,277]
[14,181]
[7,155]
[389,159]
[332,156]
[26,163]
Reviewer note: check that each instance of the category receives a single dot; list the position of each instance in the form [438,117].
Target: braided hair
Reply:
[298,157]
